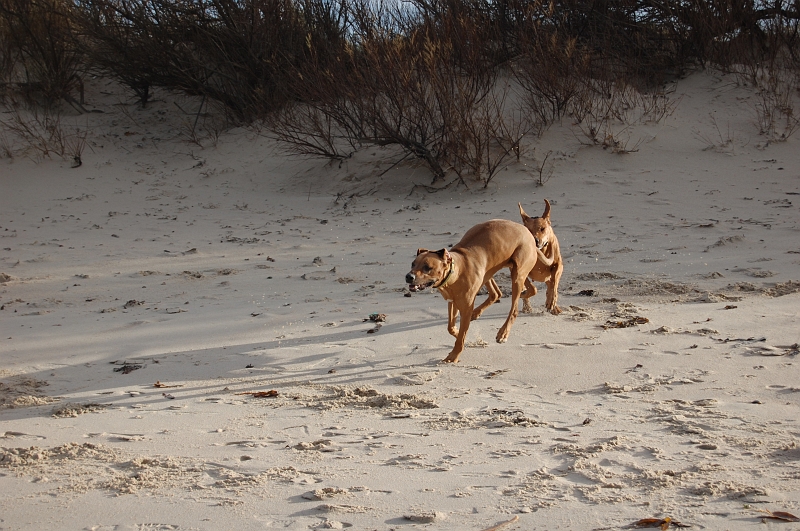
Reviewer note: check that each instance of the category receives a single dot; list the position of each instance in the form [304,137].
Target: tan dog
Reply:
[459,274]
[548,271]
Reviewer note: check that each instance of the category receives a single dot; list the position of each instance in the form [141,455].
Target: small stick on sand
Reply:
[501,524]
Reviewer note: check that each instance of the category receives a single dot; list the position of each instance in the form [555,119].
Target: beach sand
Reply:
[186,343]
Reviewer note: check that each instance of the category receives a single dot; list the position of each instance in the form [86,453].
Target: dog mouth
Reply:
[420,287]
[540,243]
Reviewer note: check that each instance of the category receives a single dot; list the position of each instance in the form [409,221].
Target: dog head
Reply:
[429,268]
[540,227]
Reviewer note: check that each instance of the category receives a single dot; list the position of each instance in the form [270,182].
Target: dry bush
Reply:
[600,62]
[775,105]
[630,36]
[759,42]
[605,111]
[431,93]
[6,148]
[308,129]
[724,142]
[41,63]
[8,58]
[551,74]
[232,51]
[428,79]
[415,97]
[40,56]
[39,132]
[204,126]
[487,136]
[646,43]
[329,115]
[418,80]
[657,105]
[544,168]
[122,41]
[440,79]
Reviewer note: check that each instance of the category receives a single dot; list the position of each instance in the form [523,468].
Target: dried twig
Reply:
[502,524]
[261,394]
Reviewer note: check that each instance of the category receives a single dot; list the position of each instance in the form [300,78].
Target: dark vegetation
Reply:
[433,77]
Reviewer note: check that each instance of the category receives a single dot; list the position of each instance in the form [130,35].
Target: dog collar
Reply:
[443,283]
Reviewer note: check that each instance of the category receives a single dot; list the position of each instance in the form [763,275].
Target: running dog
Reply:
[458,274]
[548,271]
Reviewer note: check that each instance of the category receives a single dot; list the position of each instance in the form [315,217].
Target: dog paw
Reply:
[453,332]
[555,310]
[502,336]
[526,307]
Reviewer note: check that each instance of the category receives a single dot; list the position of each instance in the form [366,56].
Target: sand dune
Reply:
[186,340]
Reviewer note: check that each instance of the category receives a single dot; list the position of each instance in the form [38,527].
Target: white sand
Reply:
[233,269]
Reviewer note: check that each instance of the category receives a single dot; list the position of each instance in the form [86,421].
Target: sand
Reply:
[186,342]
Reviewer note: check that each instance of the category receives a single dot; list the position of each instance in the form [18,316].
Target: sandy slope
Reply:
[229,270]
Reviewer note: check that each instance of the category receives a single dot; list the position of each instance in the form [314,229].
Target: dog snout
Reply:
[538,242]
[410,278]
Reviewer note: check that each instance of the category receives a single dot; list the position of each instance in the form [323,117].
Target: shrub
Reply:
[39,54]
[421,82]
[232,51]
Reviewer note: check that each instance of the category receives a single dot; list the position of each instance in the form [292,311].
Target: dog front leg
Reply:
[462,308]
[544,259]
[552,291]
[451,319]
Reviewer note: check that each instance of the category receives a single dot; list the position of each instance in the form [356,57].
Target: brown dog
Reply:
[548,271]
[459,274]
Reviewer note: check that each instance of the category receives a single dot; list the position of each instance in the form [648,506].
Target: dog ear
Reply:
[522,213]
[546,214]
[443,254]
[421,250]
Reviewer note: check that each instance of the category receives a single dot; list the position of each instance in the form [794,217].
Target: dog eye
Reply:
[426,269]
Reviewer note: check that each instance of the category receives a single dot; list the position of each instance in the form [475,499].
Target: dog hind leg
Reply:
[518,278]
[530,291]
[494,296]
